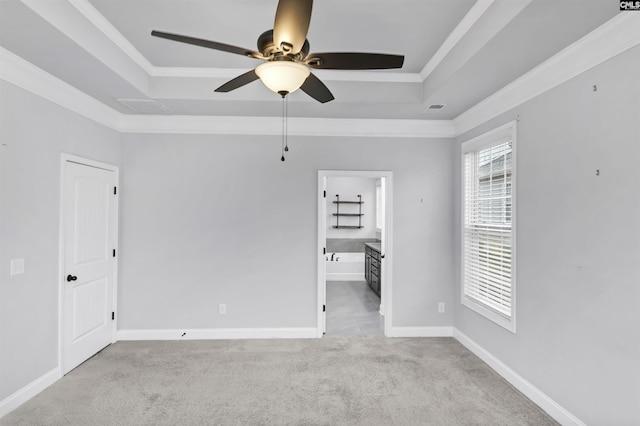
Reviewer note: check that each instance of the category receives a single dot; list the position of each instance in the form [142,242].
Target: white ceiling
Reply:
[457,52]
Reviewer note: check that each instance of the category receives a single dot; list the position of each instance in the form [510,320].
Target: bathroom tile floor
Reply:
[353,309]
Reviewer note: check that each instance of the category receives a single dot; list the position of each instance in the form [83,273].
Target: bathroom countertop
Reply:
[375,246]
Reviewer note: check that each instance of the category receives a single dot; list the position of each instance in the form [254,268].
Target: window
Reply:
[488,240]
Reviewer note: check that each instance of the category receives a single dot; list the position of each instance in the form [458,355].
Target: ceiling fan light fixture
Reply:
[282,76]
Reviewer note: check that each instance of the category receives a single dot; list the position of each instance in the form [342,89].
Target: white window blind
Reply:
[487,221]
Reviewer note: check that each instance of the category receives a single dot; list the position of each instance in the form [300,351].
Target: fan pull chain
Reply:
[283,126]
[286,124]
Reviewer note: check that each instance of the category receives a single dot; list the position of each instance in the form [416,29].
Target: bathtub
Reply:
[347,267]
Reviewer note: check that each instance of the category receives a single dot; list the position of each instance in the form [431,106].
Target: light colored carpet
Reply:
[340,380]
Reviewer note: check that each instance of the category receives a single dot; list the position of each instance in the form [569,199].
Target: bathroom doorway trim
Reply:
[387,248]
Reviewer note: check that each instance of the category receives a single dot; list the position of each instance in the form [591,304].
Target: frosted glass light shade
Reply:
[282,76]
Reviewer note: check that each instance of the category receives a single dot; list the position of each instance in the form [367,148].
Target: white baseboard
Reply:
[219,333]
[345,276]
[29,391]
[554,409]
[421,332]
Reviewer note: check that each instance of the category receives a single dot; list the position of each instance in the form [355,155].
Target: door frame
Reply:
[64,159]
[387,270]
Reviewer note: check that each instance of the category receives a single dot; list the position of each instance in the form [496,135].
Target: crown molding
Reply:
[102,24]
[469,20]
[83,31]
[272,126]
[27,76]
[610,39]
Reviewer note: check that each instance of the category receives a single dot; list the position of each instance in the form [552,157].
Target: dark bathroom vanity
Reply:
[373,266]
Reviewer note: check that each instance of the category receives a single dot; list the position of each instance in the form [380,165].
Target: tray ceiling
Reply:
[457,52]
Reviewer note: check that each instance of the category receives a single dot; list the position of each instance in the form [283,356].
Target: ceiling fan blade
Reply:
[208,43]
[292,24]
[354,61]
[315,88]
[239,81]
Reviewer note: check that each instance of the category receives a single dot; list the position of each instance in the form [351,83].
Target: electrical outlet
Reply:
[17,266]
[222,309]
[441,308]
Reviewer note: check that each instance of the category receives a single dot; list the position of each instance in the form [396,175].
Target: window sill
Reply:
[490,314]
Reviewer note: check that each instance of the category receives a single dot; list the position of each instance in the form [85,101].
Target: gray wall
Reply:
[220,219]
[33,134]
[349,188]
[578,245]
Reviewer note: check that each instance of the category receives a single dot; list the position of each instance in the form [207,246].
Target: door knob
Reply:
[71,278]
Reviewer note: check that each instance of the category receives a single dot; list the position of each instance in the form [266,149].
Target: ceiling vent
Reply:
[145,106]
[436,107]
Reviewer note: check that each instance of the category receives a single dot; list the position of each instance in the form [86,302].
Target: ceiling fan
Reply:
[285,51]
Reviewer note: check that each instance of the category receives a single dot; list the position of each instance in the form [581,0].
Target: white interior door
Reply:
[89,220]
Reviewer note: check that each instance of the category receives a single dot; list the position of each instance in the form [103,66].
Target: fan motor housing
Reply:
[269,49]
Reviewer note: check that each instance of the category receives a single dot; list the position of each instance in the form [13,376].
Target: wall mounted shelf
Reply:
[338,214]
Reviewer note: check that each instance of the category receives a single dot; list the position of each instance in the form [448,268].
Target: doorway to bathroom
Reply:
[355,252]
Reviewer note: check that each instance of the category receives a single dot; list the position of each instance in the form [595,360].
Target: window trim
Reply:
[489,138]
